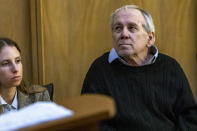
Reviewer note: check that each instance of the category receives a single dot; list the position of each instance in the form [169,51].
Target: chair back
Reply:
[50,90]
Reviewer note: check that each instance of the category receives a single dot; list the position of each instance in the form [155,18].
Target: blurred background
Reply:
[61,38]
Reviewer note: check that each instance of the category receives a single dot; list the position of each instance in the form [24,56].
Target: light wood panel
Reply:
[61,38]
[37,42]
[15,24]
[177,35]
[75,32]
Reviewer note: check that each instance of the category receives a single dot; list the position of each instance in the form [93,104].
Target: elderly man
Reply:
[150,89]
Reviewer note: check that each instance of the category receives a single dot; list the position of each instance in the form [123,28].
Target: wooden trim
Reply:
[37,42]
[34,42]
[85,117]
[41,64]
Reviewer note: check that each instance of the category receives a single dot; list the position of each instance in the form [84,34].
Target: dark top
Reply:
[155,97]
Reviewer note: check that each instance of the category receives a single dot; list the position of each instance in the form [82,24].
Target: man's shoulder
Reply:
[102,59]
[99,63]
[167,58]
[168,61]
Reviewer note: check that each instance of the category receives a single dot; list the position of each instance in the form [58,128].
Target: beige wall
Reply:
[15,24]
[61,38]
[76,32]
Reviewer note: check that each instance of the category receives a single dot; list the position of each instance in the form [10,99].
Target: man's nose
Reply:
[125,33]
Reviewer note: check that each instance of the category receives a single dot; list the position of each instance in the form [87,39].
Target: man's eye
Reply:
[132,28]
[4,63]
[117,28]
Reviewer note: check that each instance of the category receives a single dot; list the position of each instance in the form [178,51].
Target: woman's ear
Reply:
[151,39]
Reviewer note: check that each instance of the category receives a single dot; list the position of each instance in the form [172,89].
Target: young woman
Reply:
[13,92]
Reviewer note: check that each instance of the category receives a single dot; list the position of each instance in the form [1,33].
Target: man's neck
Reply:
[138,60]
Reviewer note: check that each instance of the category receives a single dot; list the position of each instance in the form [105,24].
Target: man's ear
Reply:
[151,39]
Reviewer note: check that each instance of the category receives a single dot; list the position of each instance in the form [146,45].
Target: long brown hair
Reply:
[23,87]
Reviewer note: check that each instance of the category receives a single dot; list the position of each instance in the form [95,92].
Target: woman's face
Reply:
[11,70]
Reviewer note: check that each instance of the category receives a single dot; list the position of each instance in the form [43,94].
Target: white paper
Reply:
[33,114]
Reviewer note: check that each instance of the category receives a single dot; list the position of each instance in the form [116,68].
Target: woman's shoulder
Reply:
[39,92]
[37,89]
[33,90]
[35,93]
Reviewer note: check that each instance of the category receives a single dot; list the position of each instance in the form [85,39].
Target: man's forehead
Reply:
[129,15]
[133,13]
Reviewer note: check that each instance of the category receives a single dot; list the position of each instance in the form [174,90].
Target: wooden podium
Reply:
[88,111]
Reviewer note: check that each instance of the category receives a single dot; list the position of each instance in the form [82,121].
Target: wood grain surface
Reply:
[61,38]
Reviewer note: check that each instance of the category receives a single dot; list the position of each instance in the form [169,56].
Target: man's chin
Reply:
[125,53]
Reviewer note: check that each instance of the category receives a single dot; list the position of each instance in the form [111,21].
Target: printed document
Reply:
[33,114]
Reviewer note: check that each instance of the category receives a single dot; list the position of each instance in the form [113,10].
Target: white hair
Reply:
[149,25]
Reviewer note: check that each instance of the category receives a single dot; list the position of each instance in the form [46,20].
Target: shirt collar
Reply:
[152,50]
[14,102]
[2,101]
[112,55]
